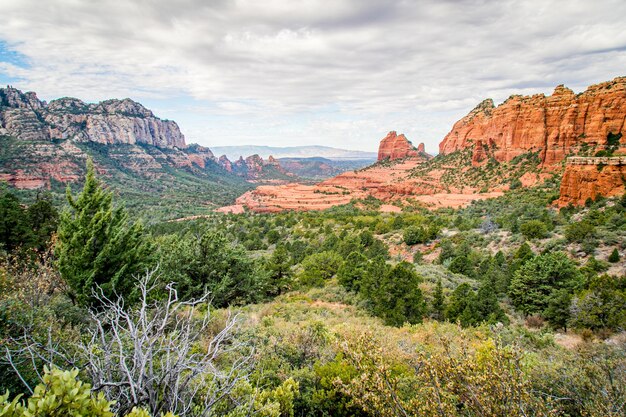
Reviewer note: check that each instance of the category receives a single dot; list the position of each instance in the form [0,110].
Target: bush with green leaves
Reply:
[210,262]
[26,228]
[533,229]
[579,231]
[601,305]
[614,256]
[62,394]
[419,234]
[319,268]
[399,298]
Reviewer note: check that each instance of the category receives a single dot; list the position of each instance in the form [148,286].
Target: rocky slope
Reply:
[588,178]
[155,183]
[24,116]
[555,126]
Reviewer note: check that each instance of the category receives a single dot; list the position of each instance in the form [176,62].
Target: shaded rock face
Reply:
[586,178]
[554,125]
[24,116]
[394,146]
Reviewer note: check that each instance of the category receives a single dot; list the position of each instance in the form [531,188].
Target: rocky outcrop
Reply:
[588,178]
[394,146]
[254,168]
[555,126]
[24,116]
[225,163]
[198,155]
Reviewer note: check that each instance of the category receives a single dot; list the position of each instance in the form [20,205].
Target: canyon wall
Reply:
[555,126]
[588,178]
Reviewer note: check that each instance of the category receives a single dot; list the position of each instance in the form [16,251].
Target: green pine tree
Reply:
[438,303]
[352,270]
[399,299]
[279,268]
[98,246]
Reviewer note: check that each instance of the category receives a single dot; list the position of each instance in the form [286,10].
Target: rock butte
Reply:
[254,168]
[394,146]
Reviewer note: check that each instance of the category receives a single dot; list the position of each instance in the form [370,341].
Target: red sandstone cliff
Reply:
[555,125]
[395,146]
[586,178]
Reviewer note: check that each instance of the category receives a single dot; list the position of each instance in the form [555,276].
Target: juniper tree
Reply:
[97,245]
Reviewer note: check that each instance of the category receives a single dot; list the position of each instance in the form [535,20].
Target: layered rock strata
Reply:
[588,178]
[24,116]
[554,126]
[394,146]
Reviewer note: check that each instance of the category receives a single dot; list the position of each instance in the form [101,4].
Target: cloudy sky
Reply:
[292,72]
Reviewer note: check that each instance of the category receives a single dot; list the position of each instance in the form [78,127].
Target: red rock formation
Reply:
[225,163]
[555,125]
[255,169]
[586,178]
[395,146]
[421,148]
[254,164]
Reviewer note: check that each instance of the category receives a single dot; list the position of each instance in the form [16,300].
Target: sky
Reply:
[338,73]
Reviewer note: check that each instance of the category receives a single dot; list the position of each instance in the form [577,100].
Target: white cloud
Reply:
[271,70]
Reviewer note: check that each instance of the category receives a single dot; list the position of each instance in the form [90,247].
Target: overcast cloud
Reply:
[332,72]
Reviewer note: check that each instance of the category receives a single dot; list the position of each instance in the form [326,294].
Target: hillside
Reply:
[143,158]
[154,183]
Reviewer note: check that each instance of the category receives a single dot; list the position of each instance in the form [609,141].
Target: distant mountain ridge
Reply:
[24,116]
[234,152]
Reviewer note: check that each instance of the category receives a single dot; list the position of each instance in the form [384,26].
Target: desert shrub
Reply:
[579,231]
[533,229]
[399,299]
[452,382]
[26,228]
[419,234]
[601,306]
[210,262]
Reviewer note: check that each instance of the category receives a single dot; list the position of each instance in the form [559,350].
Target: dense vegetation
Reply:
[154,192]
[505,308]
